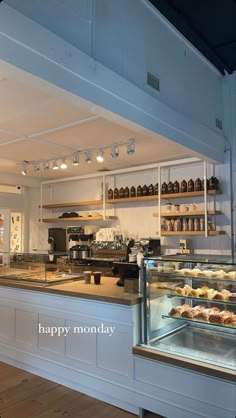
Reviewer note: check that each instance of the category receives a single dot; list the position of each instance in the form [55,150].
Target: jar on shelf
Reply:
[170,187]
[163,225]
[208,184]
[169,225]
[190,224]
[185,224]
[151,190]
[156,188]
[177,225]
[196,224]
[145,190]
[164,188]
[121,193]
[198,185]
[184,186]
[211,226]
[202,223]
[176,187]
[139,191]
[191,185]
[132,192]
[116,193]
[110,194]
[212,183]
[126,192]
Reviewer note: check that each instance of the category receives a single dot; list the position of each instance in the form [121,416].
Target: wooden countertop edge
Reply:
[100,298]
[192,365]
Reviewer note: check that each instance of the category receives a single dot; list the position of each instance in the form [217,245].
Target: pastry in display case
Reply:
[37,268]
[189,309]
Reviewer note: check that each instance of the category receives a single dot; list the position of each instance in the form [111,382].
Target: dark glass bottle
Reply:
[126,192]
[151,190]
[164,188]
[156,188]
[212,183]
[139,191]
[170,187]
[110,194]
[217,183]
[145,190]
[191,185]
[198,185]
[116,193]
[203,184]
[132,191]
[121,193]
[184,186]
[176,187]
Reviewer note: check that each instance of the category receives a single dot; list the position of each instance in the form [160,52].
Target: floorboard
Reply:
[24,395]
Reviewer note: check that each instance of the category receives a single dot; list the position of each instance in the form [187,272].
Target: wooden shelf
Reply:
[190,194]
[202,233]
[73,204]
[79,219]
[133,199]
[187,213]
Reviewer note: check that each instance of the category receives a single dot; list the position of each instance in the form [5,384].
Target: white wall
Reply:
[131,37]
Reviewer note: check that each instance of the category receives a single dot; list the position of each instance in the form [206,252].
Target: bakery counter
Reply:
[107,291]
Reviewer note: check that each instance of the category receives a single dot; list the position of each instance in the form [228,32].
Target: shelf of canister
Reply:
[80,219]
[224,302]
[180,214]
[201,233]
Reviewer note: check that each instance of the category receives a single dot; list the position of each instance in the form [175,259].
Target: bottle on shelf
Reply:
[132,192]
[126,192]
[164,188]
[191,185]
[198,185]
[156,188]
[190,224]
[116,193]
[170,187]
[121,193]
[145,190]
[196,224]
[185,225]
[110,194]
[176,187]
[184,186]
[150,190]
[139,191]
[177,225]
[202,223]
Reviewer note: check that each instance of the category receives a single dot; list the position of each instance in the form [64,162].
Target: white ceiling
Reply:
[26,112]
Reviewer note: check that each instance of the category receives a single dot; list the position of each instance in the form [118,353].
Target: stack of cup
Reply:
[87,277]
[97,277]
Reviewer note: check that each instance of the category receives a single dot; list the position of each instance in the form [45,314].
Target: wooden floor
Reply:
[24,395]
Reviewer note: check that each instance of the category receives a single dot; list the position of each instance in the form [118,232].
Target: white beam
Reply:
[27,45]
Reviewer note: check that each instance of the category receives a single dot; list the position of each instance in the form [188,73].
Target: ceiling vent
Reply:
[153,81]
[219,124]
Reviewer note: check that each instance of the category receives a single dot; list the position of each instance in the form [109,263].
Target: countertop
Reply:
[107,291]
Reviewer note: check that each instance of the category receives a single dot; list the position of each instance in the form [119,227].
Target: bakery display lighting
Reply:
[46,164]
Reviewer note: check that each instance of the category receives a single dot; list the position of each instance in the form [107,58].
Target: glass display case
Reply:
[37,268]
[189,309]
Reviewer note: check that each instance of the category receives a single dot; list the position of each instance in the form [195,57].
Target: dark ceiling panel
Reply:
[210,25]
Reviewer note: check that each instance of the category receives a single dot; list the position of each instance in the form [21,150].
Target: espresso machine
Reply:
[79,244]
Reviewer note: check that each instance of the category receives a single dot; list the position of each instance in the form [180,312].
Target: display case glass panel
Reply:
[37,268]
[189,309]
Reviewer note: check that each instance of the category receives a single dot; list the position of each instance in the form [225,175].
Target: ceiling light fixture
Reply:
[115,151]
[23,169]
[63,164]
[88,158]
[55,165]
[100,156]
[131,147]
[43,165]
[75,160]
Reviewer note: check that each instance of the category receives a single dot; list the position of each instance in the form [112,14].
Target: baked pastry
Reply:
[216,319]
[177,311]
[179,290]
[232,297]
[231,321]
[218,296]
[195,272]
[232,274]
